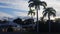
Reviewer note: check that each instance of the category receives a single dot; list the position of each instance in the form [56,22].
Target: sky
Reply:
[19,8]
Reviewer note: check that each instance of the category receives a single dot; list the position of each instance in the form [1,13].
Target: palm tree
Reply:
[31,12]
[50,12]
[36,4]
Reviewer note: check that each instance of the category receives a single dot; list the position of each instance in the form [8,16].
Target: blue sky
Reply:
[14,8]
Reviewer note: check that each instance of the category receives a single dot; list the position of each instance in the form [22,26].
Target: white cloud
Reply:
[20,13]
[21,5]
[2,14]
[16,4]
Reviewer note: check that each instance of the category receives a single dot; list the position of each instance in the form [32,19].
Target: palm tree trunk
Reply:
[32,18]
[37,19]
[49,23]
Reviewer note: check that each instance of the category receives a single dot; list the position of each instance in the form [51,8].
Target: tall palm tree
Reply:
[50,12]
[36,4]
[31,12]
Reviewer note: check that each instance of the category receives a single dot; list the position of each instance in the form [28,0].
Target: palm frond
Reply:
[30,12]
[54,14]
[45,14]
[44,3]
[54,11]
[45,11]
[31,5]
[33,13]
[30,1]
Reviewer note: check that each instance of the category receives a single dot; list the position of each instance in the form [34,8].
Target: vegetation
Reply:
[50,11]
[3,21]
[18,21]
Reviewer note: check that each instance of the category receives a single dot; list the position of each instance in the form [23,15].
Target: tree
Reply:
[18,21]
[36,4]
[50,12]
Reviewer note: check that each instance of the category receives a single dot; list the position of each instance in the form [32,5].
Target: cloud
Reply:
[4,4]
[10,10]
[20,13]
[14,5]
[17,4]
[2,14]
[21,5]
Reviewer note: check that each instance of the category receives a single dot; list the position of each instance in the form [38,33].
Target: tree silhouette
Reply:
[18,21]
[50,12]
[36,4]
[3,21]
